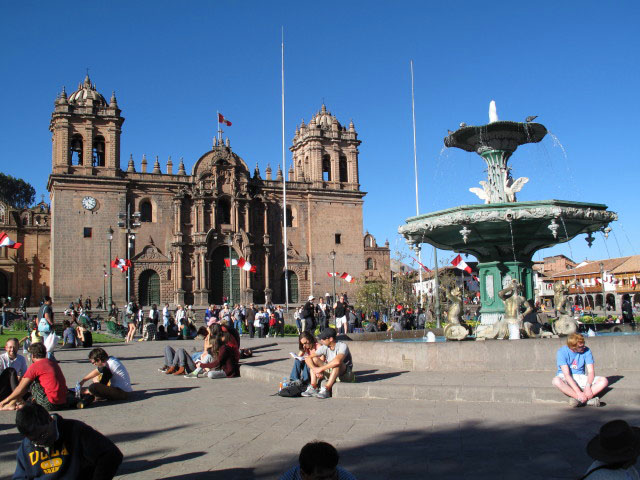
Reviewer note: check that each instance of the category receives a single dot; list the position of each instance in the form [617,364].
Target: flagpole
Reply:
[415,167]
[284,191]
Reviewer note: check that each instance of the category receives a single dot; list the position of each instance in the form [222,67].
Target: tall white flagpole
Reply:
[284,194]
[415,166]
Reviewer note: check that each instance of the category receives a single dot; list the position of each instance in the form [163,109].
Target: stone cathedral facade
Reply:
[186,223]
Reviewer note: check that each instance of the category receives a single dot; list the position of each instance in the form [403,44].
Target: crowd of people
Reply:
[36,386]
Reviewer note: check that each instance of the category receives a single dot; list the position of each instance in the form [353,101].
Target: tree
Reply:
[371,296]
[16,192]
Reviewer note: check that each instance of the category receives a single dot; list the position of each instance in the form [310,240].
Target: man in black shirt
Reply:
[307,315]
[340,311]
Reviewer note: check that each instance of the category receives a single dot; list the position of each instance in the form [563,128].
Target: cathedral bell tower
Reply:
[86,132]
[325,153]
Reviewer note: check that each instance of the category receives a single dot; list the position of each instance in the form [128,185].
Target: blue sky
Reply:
[173,64]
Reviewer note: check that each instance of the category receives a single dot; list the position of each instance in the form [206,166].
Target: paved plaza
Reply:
[237,429]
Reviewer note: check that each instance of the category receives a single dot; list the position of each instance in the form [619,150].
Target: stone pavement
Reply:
[178,428]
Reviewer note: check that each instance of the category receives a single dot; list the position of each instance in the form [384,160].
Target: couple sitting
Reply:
[220,356]
[328,359]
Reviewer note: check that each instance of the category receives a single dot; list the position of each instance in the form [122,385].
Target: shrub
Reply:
[19,325]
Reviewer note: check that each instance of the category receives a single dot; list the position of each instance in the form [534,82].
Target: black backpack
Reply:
[294,389]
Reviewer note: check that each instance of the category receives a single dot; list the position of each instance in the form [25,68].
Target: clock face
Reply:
[89,203]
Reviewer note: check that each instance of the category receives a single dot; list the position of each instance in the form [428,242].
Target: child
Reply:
[272,325]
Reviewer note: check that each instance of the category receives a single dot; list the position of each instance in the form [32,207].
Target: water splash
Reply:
[493,112]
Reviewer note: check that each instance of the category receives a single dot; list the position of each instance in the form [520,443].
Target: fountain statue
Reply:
[454,330]
[565,324]
[503,233]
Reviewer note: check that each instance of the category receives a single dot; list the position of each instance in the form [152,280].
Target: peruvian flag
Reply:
[459,263]
[121,264]
[5,241]
[221,119]
[426,269]
[597,281]
[333,274]
[634,282]
[241,263]
[345,276]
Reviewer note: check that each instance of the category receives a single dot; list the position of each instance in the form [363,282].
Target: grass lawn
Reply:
[20,334]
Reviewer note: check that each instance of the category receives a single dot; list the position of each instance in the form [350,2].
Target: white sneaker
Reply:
[311,391]
[323,393]
[594,402]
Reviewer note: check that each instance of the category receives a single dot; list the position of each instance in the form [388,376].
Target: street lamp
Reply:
[109,292]
[129,222]
[604,294]
[332,256]
[230,244]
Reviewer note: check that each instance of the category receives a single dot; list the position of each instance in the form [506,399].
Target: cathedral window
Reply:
[326,168]
[292,220]
[338,238]
[98,152]
[146,211]
[343,170]
[224,212]
[87,232]
[76,149]
[370,265]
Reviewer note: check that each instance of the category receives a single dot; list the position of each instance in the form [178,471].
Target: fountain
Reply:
[503,234]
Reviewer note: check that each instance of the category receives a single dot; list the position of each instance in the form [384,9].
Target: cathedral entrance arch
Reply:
[292,279]
[220,287]
[4,286]
[149,288]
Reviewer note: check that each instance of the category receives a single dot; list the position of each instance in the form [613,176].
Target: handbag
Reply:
[51,342]
[43,326]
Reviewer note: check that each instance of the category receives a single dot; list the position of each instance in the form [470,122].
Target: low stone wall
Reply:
[620,353]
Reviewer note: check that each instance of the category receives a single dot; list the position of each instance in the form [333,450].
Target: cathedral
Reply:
[175,230]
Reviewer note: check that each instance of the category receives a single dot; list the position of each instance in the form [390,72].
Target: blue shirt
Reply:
[575,361]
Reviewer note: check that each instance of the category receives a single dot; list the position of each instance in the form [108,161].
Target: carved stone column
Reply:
[199,220]
[179,290]
[247,223]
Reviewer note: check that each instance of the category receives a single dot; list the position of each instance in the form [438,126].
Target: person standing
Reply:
[166,316]
[250,317]
[322,310]
[46,318]
[340,312]
[4,314]
[279,321]
[154,316]
[307,315]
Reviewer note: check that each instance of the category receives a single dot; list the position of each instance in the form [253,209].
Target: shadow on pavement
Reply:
[138,395]
[264,362]
[365,376]
[226,474]
[134,466]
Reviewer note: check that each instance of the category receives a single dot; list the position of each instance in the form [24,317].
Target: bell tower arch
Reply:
[86,132]
[325,153]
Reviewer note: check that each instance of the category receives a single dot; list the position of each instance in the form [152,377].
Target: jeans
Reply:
[4,319]
[178,358]
[300,371]
[237,324]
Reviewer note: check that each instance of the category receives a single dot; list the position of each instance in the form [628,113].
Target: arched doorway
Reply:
[4,286]
[149,288]
[611,301]
[589,301]
[599,300]
[219,284]
[636,299]
[292,279]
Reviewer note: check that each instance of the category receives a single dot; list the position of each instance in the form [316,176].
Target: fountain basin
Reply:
[501,135]
[495,230]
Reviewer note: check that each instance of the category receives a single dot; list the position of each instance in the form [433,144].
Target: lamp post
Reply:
[230,244]
[129,222]
[109,298]
[604,294]
[332,256]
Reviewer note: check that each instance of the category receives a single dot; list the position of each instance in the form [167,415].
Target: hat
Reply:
[327,333]
[616,442]
[311,297]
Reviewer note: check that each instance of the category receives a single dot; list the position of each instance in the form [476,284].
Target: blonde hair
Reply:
[574,339]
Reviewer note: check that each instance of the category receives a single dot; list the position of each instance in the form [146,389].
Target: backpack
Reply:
[294,389]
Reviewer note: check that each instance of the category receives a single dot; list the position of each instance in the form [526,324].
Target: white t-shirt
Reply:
[120,376]
[19,363]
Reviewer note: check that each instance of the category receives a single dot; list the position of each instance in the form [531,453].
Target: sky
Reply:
[174,64]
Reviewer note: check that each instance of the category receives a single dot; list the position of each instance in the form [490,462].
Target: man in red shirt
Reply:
[45,380]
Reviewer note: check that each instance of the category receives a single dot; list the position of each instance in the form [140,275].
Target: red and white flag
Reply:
[459,263]
[346,277]
[634,282]
[5,241]
[240,263]
[333,274]
[121,264]
[221,119]
[426,269]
